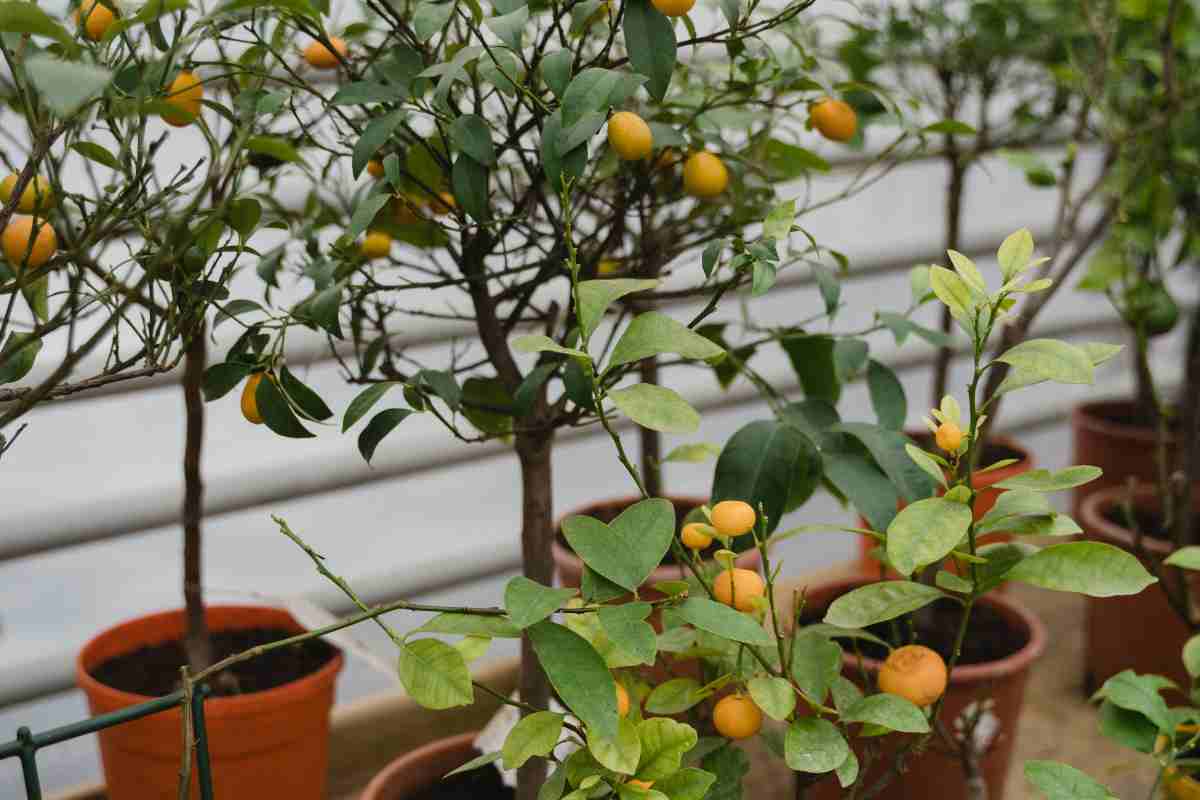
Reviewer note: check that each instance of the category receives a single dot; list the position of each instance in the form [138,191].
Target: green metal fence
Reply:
[27,744]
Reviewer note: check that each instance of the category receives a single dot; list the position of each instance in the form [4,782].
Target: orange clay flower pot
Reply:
[272,743]
[1106,434]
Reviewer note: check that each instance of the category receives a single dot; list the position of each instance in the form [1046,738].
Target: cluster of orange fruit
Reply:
[406,210]
[28,239]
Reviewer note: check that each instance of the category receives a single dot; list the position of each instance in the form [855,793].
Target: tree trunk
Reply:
[537,532]
[954,202]
[1189,439]
[651,440]
[197,641]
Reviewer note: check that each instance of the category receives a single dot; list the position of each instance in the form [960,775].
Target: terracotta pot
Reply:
[1104,437]
[570,566]
[1141,632]
[984,500]
[1000,684]
[414,772]
[266,744]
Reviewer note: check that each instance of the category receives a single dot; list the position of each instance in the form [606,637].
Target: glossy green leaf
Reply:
[888,711]
[98,153]
[363,402]
[556,71]
[1050,359]
[688,783]
[816,662]
[220,379]
[471,625]
[708,615]
[693,453]
[629,548]
[812,358]
[472,136]
[435,674]
[537,343]
[528,602]
[475,763]
[657,408]
[814,745]
[1092,568]
[1014,253]
[888,448]
[674,696]
[887,395]
[653,333]
[762,463]
[18,356]
[579,676]
[274,147]
[925,532]
[305,399]
[773,695]
[864,484]
[469,180]
[374,136]
[380,426]
[627,628]
[879,602]
[650,42]
[276,412]
[1059,781]
[1140,693]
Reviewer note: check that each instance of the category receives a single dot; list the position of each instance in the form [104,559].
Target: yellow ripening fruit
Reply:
[835,119]
[674,8]
[36,197]
[733,517]
[704,175]
[16,238]
[375,168]
[95,18]
[622,701]
[915,673]
[608,266]
[640,784]
[695,535]
[629,136]
[737,717]
[321,57]
[739,588]
[250,401]
[948,437]
[183,96]
[377,244]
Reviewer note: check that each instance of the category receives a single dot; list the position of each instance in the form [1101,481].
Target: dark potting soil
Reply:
[610,512]
[478,784]
[1148,522]
[990,635]
[154,670]
[992,451]
[1130,415]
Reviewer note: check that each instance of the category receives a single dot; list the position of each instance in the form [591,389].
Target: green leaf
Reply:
[1191,656]
[533,737]
[220,379]
[1062,782]
[1127,728]
[773,695]
[816,663]
[650,42]
[629,548]
[594,90]
[708,615]
[845,693]
[696,453]
[273,146]
[1186,557]
[887,395]
[435,674]
[952,291]
[536,343]
[305,399]
[664,741]
[814,745]
[927,463]
[380,426]
[556,71]
[888,711]
[657,408]
[471,625]
[363,402]
[619,753]
[244,216]
[65,85]
[554,786]
[469,180]
[674,696]
[787,162]
[578,674]
[847,773]
[1140,693]
[949,126]
[729,764]
[967,270]
[653,333]
[1049,359]
[879,602]
[473,137]
[1014,253]
[924,532]
[364,93]
[688,783]
[98,153]
[484,403]
[889,450]
[862,482]
[429,18]
[528,602]
[475,763]
[778,224]
[595,297]
[762,463]
[443,385]
[19,354]
[373,137]
[510,27]
[1092,568]
[1043,480]
[25,17]
[627,628]
[276,412]
[365,213]
[812,358]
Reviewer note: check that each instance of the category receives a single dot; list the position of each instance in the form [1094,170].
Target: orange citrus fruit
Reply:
[375,168]
[183,96]
[738,588]
[696,535]
[915,673]
[674,8]
[835,119]
[733,517]
[250,400]
[95,18]
[949,437]
[16,242]
[640,784]
[36,197]
[321,57]
[704,175]
[737,717]
[629,136]
[377,244]
[622,700]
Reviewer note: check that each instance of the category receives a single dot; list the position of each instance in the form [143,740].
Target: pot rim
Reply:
[242,703]
[1090,417]
[967,674]
[402,763]
[565,558]
[1091,516]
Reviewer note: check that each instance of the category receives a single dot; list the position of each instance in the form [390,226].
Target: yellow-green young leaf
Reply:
[528,602]
[879,602]
[25,17]
[1185,557]
[435,674]
[664,742]
[927,463]
[534,736]
[473,648]
[595,297]
[688,783]
[1091,568]
[1034,286]
[588,626]
[475,763]
[967,270]
[1049,359]
[1062,782]
[888,711]
[1043,480]
[619,753]
[694,453]
[536,343]
[924,532]
[814,745]
[471,625]
[951,290]
[1191,656]
[773,695]
[657,408]
[847,773]
[674,697]
[1014,253]
[654,333]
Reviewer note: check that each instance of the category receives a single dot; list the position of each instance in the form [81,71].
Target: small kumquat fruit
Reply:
[915,673]
[739,588]
[733,517]
[737,717]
